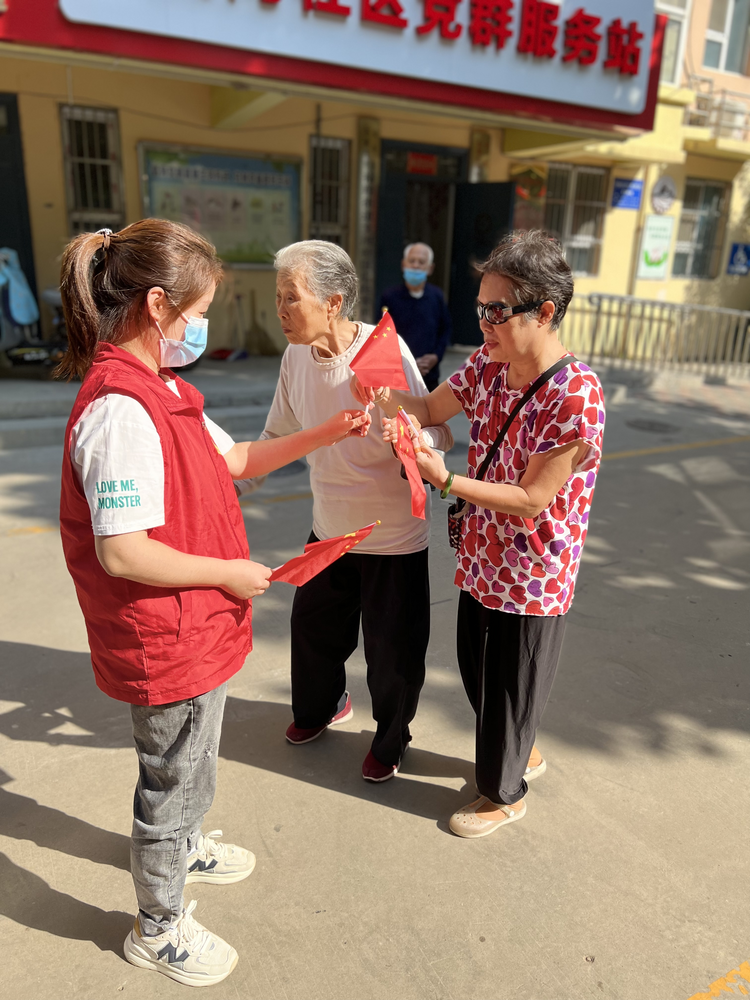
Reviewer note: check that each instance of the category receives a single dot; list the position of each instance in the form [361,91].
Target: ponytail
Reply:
[79,308]
[106,277]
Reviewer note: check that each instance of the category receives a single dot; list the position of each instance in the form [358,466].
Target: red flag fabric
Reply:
[378,361]
[405,449]
[317,556]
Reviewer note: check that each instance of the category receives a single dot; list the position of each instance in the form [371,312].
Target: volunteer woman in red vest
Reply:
[155,542]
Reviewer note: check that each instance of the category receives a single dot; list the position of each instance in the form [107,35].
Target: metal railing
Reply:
[725,112]
[629,332]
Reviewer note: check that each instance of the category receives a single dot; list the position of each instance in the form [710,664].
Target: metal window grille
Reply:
[91,148]
[574,211]
[701,230]
[329,189]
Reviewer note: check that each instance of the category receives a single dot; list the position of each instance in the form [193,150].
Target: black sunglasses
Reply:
[498,313]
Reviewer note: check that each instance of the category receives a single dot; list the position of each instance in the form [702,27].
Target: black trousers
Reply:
[391,596]
[508,663]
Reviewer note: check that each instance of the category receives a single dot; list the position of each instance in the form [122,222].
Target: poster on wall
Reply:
[248,206]
[655,246]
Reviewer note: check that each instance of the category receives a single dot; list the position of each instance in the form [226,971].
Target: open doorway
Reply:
[416,204]
[15,229]
[424,197]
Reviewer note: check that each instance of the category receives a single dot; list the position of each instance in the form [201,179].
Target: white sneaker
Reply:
[221,863]
[186,952]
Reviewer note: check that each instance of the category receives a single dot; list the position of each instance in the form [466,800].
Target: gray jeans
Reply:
[177,746]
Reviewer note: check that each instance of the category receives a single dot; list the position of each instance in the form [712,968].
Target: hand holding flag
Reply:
[406,449]
[378,361]
[317,556]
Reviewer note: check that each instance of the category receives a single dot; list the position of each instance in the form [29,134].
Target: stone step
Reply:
[58,400]
[33,432]
[20,399]
[244,423]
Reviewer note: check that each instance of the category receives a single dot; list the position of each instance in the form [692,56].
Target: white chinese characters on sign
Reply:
[536,48]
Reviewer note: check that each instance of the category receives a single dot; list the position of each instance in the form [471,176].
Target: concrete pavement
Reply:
[628,878]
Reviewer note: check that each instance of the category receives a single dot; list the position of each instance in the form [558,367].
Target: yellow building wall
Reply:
[724,290]
[623,229]
[695,47]
[162,109]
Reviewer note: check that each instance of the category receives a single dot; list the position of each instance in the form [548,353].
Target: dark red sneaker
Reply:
[345,714]
[296,735]
[373,770]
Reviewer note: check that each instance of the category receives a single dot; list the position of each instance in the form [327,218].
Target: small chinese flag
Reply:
[378,361]
[317,556]
[405,448]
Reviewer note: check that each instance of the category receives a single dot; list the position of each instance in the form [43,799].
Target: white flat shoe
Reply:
[535,772]
[465,823]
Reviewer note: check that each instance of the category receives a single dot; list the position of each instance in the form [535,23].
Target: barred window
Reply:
[91,149]
[701,231]
[574,211]
[329,189]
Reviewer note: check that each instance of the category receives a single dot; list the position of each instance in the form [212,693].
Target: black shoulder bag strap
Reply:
[531,391]
[458,509]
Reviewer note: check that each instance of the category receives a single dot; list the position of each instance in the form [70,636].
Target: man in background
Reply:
[419,312]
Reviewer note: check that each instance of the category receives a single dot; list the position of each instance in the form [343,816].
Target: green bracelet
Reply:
[447,488]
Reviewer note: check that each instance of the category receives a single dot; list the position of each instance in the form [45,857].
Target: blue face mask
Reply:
[176,353]
[413,277]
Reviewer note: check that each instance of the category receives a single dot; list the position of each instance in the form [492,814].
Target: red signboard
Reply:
[422,163]
[40,23]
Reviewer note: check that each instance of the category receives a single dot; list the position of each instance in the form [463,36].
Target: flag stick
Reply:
[413,428]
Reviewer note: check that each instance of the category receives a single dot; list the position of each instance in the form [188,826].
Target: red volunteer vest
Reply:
[154,645]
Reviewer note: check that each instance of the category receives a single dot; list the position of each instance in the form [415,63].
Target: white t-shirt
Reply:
[357,481]
[116,452]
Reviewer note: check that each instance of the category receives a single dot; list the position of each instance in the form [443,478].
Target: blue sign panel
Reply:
[739,259]
[626,193]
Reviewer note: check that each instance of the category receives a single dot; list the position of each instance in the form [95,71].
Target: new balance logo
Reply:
[169,952]
[199,865]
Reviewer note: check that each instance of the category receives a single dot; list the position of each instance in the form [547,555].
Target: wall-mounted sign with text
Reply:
[591,53]
[656,243]
[249,207]
[626,193]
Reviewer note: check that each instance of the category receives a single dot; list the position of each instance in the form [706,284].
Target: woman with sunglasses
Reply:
[526,518]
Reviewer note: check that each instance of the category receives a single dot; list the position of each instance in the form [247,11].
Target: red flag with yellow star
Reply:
[317,556]
[405,449]
[378,361]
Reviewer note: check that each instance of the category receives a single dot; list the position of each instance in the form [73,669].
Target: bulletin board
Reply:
[247,206]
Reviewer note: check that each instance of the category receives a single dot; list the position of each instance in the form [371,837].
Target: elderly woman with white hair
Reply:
[385,583]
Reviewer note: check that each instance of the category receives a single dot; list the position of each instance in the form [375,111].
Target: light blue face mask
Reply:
[176,353]
[413,277]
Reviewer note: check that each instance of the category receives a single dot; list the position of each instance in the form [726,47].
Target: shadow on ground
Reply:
[30,901]
[23,818]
